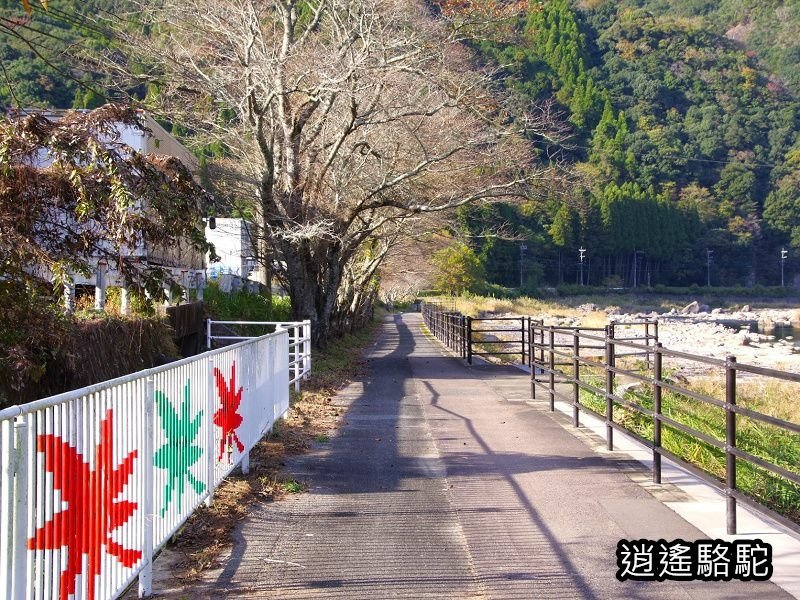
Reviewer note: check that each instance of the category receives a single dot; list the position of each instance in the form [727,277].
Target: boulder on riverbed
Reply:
[691,309]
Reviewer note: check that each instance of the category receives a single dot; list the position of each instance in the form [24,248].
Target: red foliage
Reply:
[92,514]
[227,418]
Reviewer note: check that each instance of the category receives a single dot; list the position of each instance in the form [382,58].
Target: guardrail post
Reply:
[730,443]
[541,343]
[657,374]
[576,375]
[531,343]
[208,334]
[306,349]
[552,365]
[461,349]
[449,330]
[295,335]
[522,340]
[210,449]
[469,340]
[20,543]
[148,502]
[610,363]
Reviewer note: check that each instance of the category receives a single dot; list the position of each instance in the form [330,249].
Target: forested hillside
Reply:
[685,142]
[38,53]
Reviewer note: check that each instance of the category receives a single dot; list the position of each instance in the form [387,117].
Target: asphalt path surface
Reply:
[443,483]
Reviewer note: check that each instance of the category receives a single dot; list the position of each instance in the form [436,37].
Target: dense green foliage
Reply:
[245,306]
[683,140]
[39,53]
[459,269]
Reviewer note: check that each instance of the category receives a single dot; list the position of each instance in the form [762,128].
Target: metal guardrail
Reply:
[96,480]
[299,342]
[467,335]
[545,363]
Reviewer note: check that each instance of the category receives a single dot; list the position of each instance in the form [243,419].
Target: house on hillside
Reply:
[185,264]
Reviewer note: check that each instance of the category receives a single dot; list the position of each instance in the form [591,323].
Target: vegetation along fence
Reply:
[724,426]
[96,480]
[221,333]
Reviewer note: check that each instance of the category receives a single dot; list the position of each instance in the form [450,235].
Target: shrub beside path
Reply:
[442,483]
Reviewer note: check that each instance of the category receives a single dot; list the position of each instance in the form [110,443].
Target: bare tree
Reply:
[344,119]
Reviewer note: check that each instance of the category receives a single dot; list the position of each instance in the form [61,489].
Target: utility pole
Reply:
[709,253]
[522,248]
[784,254]
[582,251]
[636,254]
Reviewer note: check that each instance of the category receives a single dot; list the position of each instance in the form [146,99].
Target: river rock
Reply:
[746,308]
[716,311]
[691,309]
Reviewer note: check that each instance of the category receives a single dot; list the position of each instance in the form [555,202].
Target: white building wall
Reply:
[232,244]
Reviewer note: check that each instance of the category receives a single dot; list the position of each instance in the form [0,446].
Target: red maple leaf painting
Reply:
[92,512]
[227,418]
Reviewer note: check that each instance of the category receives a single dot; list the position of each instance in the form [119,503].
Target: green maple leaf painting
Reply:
[179,453]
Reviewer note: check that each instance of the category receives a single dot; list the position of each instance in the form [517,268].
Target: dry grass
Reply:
[558,307]
[768,396]
[311,418]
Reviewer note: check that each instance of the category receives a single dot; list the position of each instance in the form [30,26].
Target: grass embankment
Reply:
[771,443]
[310,420]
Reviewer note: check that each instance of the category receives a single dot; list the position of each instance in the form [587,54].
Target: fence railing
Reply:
[96,480]
[508,336]
[569,356]
[299,341]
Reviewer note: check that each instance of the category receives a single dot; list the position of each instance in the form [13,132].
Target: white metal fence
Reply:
[96,480]
[299,342]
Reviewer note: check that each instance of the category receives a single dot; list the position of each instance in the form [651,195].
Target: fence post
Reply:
[657,414]
[552,365]
[148,502]
[541,342]
[730,443]
[462,336]
[576,375]
[295,335]
[469,340]
[522,331]
[20,544]
[306,349]
[449,330]
[211,450]
[208,334]
[531,334]
[610,363]
[647,342]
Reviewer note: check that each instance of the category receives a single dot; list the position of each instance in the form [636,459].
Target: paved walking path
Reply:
[442,484]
